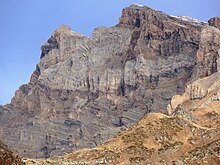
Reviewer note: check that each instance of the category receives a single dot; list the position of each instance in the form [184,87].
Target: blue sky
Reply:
[26,24]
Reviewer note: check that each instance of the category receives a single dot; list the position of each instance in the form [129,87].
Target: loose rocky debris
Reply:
[7,157]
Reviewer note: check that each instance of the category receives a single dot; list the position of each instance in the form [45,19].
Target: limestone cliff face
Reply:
[85,90]
[198,94]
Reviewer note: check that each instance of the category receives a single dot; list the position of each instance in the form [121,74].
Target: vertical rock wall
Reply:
[86,90]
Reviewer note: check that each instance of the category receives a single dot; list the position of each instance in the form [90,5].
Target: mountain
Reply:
[189,135]
[85,91]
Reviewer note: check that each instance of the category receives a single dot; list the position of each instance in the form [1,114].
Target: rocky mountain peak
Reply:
[63,28]
[215,21]
[86,90]
[136,15]
[57,39]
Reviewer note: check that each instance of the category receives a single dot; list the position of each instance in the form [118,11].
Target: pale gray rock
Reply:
[86,90]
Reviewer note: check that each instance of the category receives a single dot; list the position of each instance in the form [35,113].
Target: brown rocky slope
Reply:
[7,157]
[189,135]
[86,90]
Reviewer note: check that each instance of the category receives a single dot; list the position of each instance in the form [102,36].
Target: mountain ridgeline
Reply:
[85,91]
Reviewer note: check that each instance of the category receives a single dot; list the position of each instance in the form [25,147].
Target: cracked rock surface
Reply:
[86,90]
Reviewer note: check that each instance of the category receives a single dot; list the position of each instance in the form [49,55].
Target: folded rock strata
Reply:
[86,90]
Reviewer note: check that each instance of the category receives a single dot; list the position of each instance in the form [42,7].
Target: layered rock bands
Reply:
[86,90]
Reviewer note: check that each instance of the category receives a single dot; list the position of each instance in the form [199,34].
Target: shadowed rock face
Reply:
[85,90]
[215,21]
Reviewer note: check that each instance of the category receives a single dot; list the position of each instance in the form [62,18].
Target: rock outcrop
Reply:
[86,90]
[7,157]
[215,22]
[189,135]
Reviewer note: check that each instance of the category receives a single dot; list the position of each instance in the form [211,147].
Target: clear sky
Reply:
[26,24]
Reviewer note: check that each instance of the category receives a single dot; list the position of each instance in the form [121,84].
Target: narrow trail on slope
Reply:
[209,95]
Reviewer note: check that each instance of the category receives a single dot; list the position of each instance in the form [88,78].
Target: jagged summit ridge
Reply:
[85,90]
[135,4]
[189,19]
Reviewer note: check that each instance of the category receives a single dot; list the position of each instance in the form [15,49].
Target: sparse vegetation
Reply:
[204,153]
[7,157]
[169,146]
